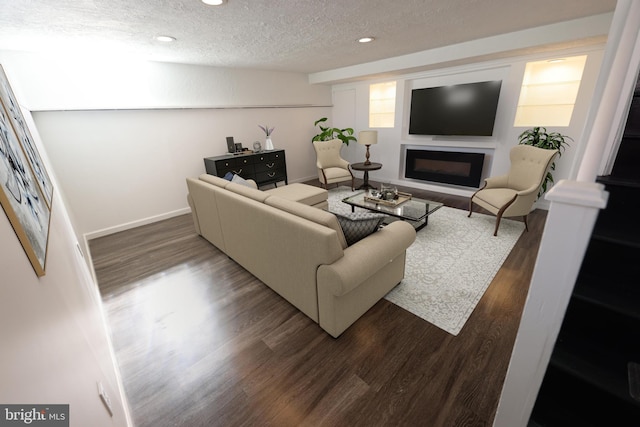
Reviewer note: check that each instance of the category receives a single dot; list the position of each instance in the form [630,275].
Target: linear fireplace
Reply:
[447,167]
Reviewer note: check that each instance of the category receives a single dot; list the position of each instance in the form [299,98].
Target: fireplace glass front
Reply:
[447,167]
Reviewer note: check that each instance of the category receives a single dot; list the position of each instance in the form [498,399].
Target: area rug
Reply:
[450,265]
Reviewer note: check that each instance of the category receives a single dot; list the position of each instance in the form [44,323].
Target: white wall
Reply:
[123,168]
[55,343]
[352,99]
[45,82]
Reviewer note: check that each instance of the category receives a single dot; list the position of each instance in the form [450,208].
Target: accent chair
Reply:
[332,168]
[515,193]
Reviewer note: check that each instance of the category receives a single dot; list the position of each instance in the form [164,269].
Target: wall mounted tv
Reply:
[463,109]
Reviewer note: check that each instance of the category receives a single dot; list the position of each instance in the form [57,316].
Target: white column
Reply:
[574,209]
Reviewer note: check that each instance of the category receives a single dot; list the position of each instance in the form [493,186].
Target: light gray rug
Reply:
[450,265]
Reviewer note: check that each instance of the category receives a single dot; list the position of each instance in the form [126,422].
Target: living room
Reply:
[119,139]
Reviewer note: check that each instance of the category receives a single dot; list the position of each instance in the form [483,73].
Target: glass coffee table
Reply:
[415,211]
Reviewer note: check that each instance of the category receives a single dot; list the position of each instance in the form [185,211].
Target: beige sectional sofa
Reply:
[281,237]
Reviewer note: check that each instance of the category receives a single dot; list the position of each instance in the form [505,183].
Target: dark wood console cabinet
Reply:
[266,167]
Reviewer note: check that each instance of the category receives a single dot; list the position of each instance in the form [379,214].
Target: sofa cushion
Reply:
[309,213]
[357,226]
[240,180]
[303,193]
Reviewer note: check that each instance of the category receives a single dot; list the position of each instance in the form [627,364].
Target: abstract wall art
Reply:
[23,182]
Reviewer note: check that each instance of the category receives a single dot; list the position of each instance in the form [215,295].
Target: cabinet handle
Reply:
[238,173]
[271,174]
[270,165]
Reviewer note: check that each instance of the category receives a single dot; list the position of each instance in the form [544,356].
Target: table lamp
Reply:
[368,137]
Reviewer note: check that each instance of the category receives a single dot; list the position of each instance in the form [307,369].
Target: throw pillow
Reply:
[356,226]
[240,180]
[228,176]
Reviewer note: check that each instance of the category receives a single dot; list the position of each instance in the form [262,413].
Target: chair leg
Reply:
[326,184]
[471,199]
[498,218]
[501,211]
[526,226]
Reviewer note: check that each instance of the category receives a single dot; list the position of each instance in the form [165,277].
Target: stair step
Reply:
[618,222]
[626,164]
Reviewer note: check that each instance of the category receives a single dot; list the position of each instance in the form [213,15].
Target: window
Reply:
[549,92]
[382,105]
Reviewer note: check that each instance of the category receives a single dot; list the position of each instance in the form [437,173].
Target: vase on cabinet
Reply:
[268,144]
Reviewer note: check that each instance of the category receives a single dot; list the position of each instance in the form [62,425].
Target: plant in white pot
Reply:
[539,137]
[268,144]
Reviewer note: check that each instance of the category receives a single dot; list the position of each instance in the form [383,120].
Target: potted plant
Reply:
[539,137]
[329,133]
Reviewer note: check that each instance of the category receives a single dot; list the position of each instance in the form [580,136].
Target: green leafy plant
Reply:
[539,137]
[329,133]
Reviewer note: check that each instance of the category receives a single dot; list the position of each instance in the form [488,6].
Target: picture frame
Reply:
[231,146]
[35,163]
[21,197]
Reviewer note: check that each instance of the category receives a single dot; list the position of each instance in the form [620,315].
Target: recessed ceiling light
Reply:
[556,60]
[214,2]
[366,39]
[166,39]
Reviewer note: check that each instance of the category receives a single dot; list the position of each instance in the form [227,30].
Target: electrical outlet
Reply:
[105,398]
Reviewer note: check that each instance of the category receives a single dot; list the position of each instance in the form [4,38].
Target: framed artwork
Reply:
[21,196]
[11,106]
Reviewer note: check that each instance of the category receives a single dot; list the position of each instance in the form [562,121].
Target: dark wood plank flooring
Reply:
[201,342]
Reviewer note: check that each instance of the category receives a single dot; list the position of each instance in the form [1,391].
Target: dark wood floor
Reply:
[201,342]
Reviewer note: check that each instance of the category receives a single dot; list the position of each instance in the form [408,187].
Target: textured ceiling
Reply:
[290,35]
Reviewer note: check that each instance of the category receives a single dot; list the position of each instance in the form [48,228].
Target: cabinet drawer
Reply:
[271,176]
[240,166]
[234,162]
[225,164]
[245,171]
[269,165]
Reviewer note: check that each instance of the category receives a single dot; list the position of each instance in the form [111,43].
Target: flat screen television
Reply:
[462,109]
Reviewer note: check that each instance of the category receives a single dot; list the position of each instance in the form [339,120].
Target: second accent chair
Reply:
[515,193]
[332,168]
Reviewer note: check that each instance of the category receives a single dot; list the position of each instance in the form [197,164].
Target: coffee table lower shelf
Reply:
[415,211]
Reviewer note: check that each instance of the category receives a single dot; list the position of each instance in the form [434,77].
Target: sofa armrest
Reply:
[364,258]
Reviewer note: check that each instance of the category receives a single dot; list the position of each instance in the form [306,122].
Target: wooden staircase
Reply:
[593,378]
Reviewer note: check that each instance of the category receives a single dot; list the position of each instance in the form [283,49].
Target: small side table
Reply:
[366,168]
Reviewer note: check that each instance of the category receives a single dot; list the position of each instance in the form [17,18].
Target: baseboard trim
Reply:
[134,224]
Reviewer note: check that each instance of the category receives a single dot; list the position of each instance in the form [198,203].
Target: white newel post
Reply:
[574,210]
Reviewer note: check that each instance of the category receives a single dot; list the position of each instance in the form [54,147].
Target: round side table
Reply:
[366,168]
